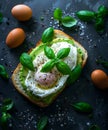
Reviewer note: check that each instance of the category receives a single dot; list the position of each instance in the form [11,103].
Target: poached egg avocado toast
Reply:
[42,74]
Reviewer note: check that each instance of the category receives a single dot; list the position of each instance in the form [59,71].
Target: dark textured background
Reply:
[60,114]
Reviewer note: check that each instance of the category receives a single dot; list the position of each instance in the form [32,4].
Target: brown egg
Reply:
[100,79]
[21,12]
[15,37]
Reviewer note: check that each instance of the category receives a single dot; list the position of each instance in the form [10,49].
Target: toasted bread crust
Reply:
[15,75]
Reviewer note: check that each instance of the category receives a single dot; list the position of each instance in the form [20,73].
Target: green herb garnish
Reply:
[6,106]
[96,17]
[26,61]
[3,72]
[42,123]
[85,15]
[47,35]
[56,60]
[66,21]
[82,107]
[74,74]
[94,127]
[104,63]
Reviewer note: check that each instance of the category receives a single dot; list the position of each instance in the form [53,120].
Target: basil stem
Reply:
[47,35]
[69,21]
[58,14]
[26,61]
[63,53]
[74,74]
[49,52]
[42,123]
[3,72]
[85,15]
[7,105]
[94,127]
[48,66]
[63,68]
[82,107]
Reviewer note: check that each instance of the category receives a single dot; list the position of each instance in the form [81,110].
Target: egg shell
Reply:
[15,38]
[21,12]
[100,79]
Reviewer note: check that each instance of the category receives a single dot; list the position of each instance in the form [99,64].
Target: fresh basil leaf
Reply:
[42,123]
[3,72]
[49,52]
[102,62]
[75,73]
[102,11]
[4,118]
[94,127]
[63,67]
[82,107]
[58,14]
[85,15]
[99,24]
[63,53]
[69,21]
[7,105]
[47,35]
[48,66]
[26,61]
[1,17]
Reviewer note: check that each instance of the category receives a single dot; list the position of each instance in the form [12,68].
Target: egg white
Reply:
[71,60]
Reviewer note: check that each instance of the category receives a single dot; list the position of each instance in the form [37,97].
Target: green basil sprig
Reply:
[42,123]
[6,106]
[26,61]
[85,15]
[47,35]
[96,17]
[94,127]
[56,60]
[3,72]
[66,21]
[82,107]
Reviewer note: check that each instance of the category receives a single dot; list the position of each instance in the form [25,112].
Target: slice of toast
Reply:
[42,102]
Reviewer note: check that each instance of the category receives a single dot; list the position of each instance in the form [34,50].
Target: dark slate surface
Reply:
[61,115]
